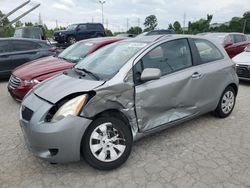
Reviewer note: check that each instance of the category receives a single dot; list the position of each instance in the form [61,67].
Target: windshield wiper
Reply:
[90,73]
[65,59]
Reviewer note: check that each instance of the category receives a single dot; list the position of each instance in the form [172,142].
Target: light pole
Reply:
[102,3]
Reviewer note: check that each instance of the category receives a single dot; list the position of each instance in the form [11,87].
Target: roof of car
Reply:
[218,33]
[23,39]
[147,39]
[103,39]
[85,23]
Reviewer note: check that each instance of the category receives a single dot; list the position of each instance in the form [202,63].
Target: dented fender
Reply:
[119,97]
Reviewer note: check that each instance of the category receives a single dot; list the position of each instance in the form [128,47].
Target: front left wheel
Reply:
[107,143]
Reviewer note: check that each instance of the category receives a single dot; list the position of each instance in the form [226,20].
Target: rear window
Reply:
[208,51]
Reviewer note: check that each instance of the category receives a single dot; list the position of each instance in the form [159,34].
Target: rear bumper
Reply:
[55,142]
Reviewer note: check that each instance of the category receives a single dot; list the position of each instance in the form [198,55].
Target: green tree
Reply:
[5,30]
[236,24]
[246,17]
[170,26]
[18,24]
[108,32]
[28,24]
[150,23]
[177,27]
[200,26]
[135,30]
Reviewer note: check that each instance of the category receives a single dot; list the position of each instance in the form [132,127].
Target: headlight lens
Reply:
[30,82]
[72,107]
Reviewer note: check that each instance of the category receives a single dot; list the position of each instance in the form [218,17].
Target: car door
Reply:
[5,58]
[238,44]
[92,30]
[23,51]
[82,32]
[174,95]
[213,68]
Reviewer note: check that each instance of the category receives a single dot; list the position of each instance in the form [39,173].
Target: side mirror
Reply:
[150,74]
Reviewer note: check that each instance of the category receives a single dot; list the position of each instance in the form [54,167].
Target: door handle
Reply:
[196,75]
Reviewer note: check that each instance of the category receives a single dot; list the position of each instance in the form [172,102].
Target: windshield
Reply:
[77,51]
[107,61]
[72,27]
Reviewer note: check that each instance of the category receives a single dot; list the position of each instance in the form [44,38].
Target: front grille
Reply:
[14,82]
[26,113]
[244,71]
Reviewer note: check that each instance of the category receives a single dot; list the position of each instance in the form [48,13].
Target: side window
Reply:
[24,45]
[244,38]
[100,27]
[168,57]
[4,46]
[92,27]
[82,27]
[208,51]
[238,38]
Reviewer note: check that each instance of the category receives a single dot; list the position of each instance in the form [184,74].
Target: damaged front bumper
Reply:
[55,142]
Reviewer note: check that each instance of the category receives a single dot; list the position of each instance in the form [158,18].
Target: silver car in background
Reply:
[123,92]
[242,62]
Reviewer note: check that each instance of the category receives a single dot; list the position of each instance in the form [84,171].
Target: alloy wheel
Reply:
[227,102]
[106,143]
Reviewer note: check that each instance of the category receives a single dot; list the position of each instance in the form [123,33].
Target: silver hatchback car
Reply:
[123,92]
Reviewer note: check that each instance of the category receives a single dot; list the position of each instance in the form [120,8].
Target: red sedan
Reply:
[234,43]
[25,77]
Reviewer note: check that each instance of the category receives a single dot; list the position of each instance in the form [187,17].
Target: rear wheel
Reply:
[226,103]
[107,143]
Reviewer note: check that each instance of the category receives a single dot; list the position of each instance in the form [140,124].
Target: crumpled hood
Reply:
[41,67]
[61,86]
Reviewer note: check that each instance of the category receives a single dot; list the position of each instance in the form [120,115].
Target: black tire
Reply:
[122,128]
[219,110]
[71,40]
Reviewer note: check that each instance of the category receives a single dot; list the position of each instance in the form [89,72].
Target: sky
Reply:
[121,14]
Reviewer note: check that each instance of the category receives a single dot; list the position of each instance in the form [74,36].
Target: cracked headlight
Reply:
[30,82]
[71,107]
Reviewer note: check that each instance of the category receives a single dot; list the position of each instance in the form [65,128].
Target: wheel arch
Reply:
[234,86]
[108,113]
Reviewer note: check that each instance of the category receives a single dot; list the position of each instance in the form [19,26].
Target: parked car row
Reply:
[234,43]
[122,92]
[16,51]
[25,77]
